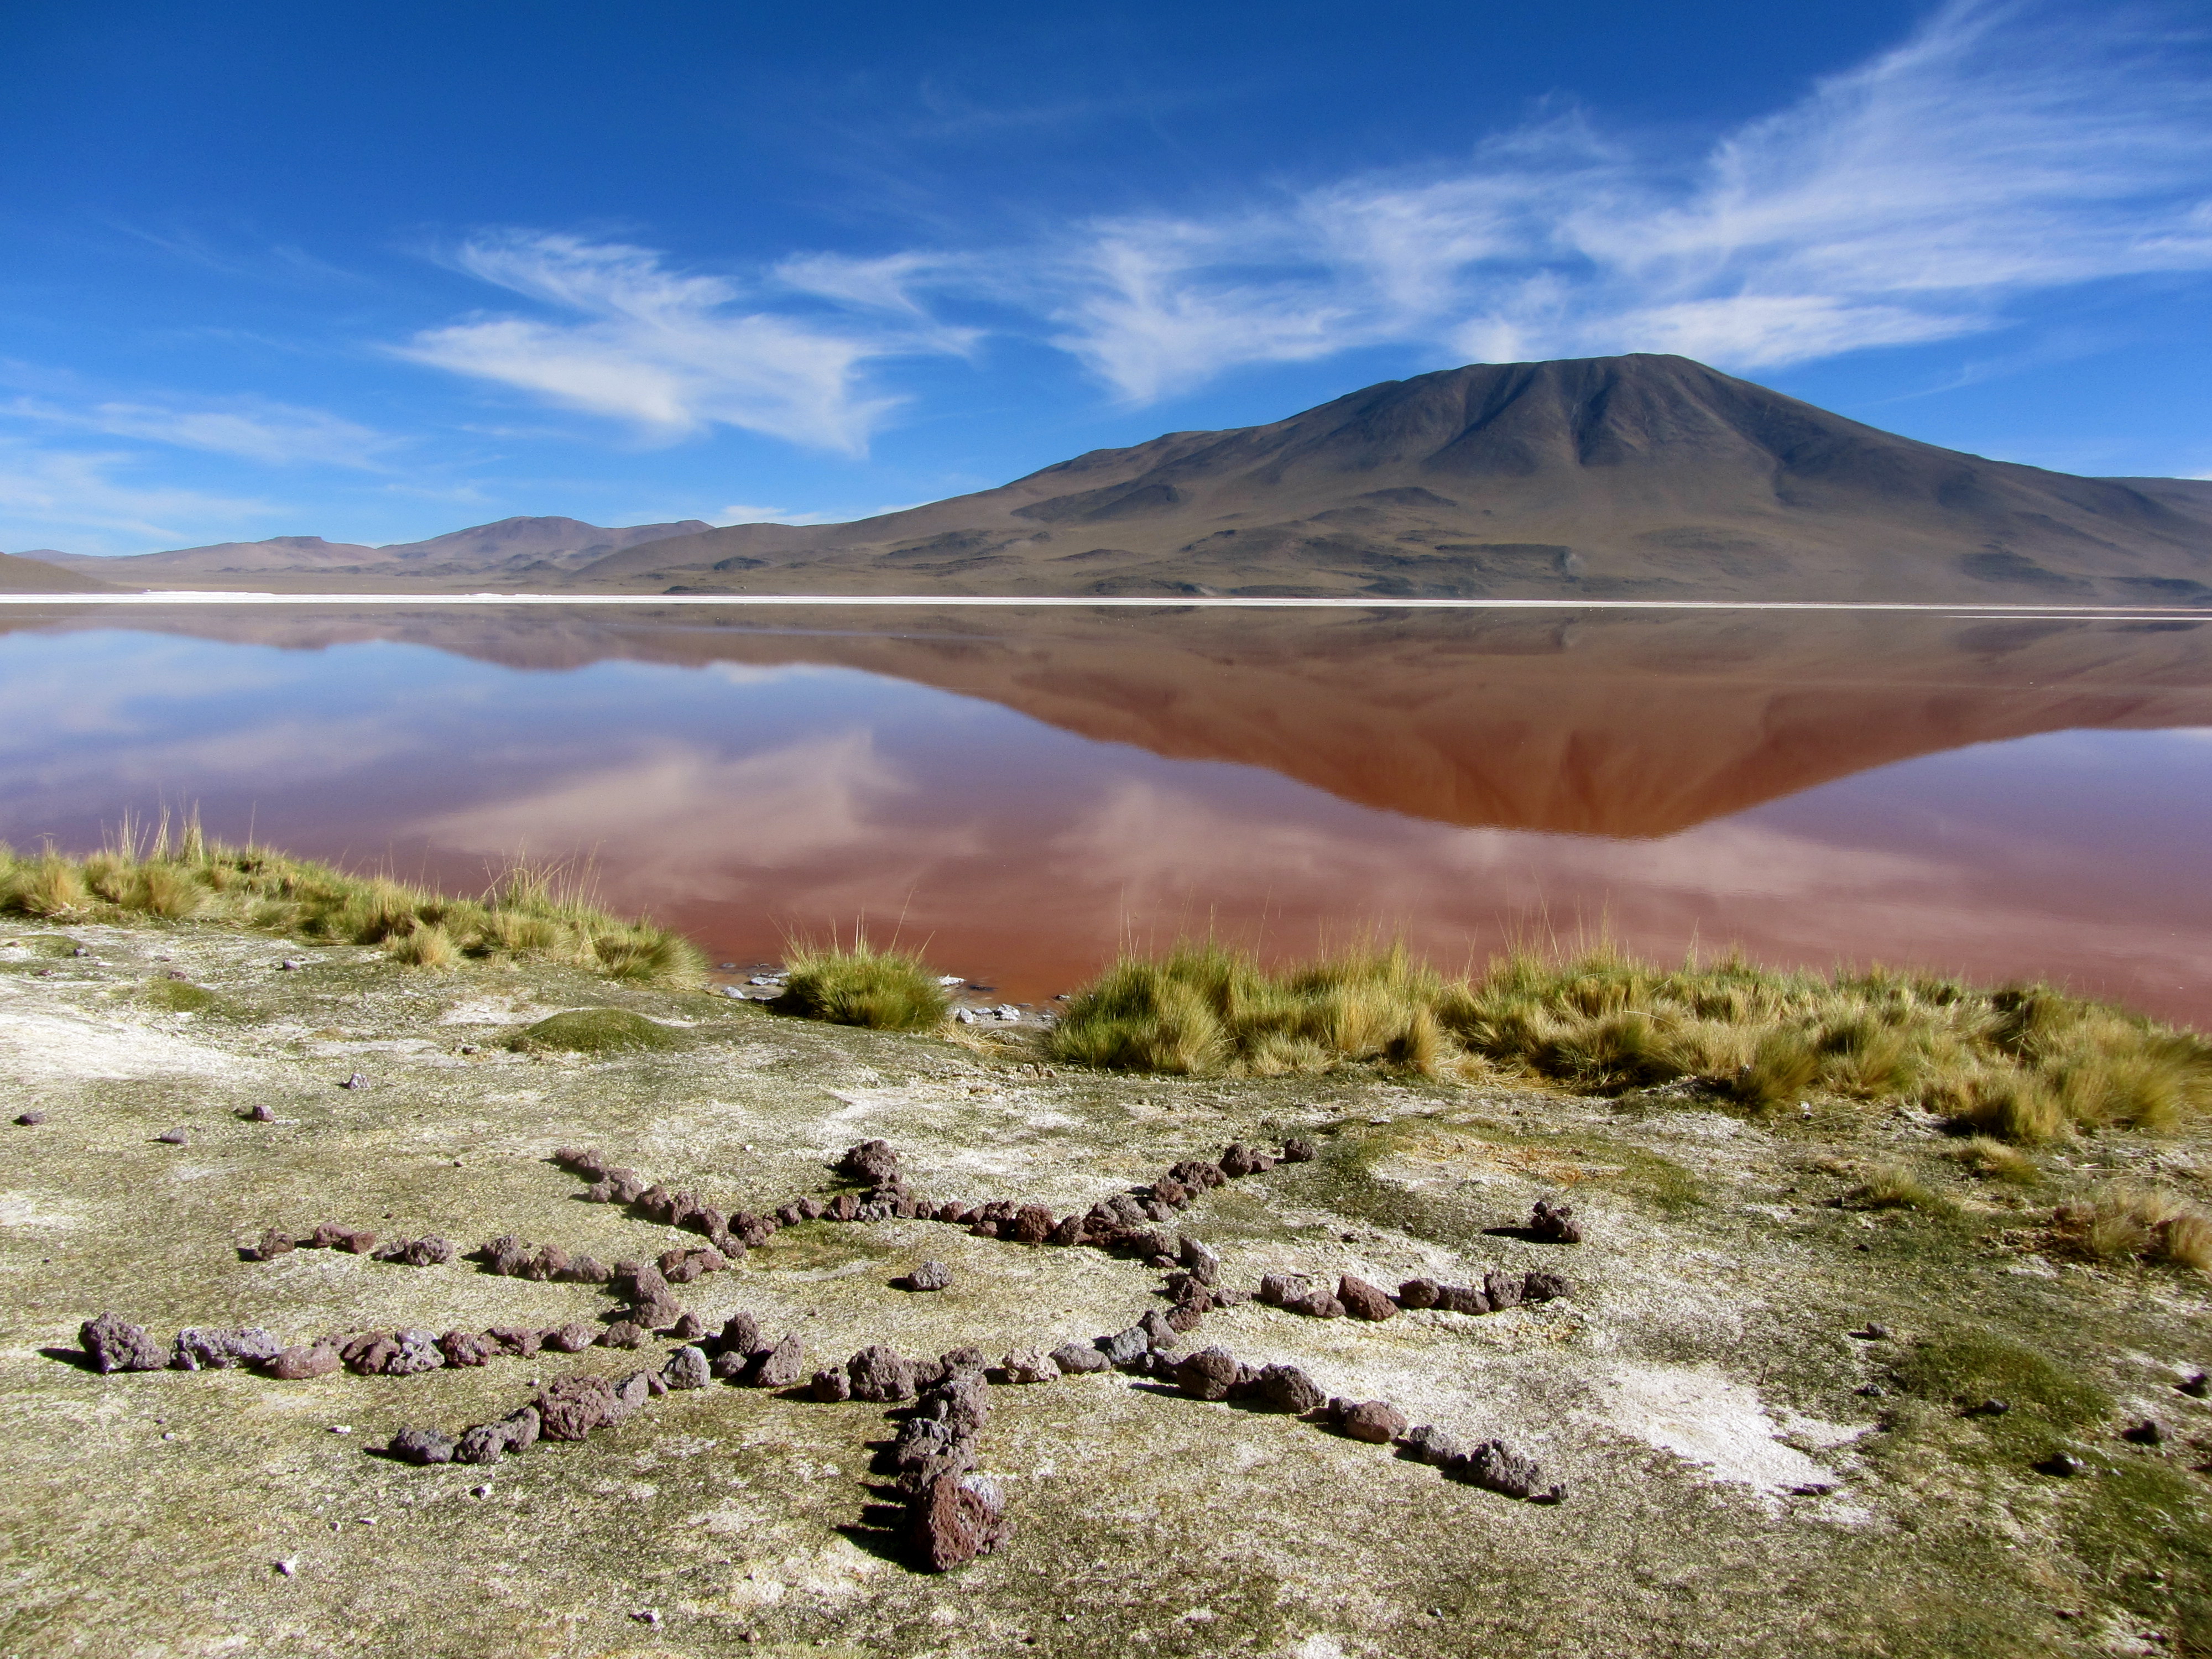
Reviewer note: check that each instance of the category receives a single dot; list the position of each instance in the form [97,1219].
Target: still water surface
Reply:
[1024,793]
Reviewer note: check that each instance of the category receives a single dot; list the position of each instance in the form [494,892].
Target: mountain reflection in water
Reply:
[1024,791]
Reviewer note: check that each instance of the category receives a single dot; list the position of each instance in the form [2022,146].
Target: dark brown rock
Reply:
[832,1385]
[272,1243]
[1156,1330]
[1363,1300]
[1032,1224]
[1539,1286]
[1315,1304]
[1501,1290]
[740,1334]
[423,1446]
[870,1161]
[1496,1468]
[296,1364]
[1286,1388]
[1184,1317]
[656,1312]
[1419,1293]
[365,1354]
[573,1406]
[957,1518]
[587,1270]
[1171,1192]
[688,1329]
[115,1347]
[879,1373]
[930,1276]
[782,1366]
[1554,1222]
[1075,1358]
[516,1338]
[1375,1420]
[622,1333]
[730,1367]
[466,1348]
[1275,1288]
[1209,1374]
[574,1337]
[1462,1298]
[1299,1150]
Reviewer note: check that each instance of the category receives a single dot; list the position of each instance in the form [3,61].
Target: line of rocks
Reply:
[1217,1374]
[429,1251]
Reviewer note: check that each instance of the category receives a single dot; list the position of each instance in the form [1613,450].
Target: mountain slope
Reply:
[1602,477]
[19,575]
[511,544]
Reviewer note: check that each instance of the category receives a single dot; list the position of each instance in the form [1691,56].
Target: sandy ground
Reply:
[1744,1475]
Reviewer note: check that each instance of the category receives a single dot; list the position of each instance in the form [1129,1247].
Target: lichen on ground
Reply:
[1769,1398]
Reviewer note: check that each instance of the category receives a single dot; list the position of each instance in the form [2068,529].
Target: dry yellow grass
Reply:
[2022,1064]
[534,913]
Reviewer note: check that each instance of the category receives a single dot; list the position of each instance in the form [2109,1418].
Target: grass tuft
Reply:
[2123,1221]
[1993,1160]
[884,990]
[2023,1064]
[593,1031]
[530,913]
[1896,1187]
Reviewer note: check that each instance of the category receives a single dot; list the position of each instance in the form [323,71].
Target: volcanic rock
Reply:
[782,1366]
[957,1519]
[574,1337]
[1124,1346]
[272,1243]
[423,1445]
[298,1363]
[930,1276]
[1074,1357]
[1554,1222]
[1375,1420]
[687,1368]
[1539,1286]
[622,1333]
[1462,1298]
[1209,1374]
[463,1348]
[1501,1290]
[115,1347]
[1363,1300]
[1286,1388]
[218,1351]
[572,1406]
[1430,1444]
[1417,1293]
[879,1373]
[832,1385]
[516,1338]
[1495,1467]
[417,1351]
[1298,1149]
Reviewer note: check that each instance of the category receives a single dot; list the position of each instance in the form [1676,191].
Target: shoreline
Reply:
[1166,602]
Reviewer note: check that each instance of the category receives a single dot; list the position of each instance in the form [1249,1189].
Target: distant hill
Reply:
[1613,478]
[21,574]
[510,546]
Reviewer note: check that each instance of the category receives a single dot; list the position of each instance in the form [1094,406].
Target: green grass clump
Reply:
[1965,1368]
[884,990]
[530,913]
[593,1031]
[1895,1186]
[1993,1160]
[1208,1008]
[178,996]
[2022,1064]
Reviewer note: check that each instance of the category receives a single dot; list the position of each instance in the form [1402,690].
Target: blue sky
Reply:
[378,272]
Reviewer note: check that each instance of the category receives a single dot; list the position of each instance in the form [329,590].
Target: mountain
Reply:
[1608,477]
[22,574]
[538,545]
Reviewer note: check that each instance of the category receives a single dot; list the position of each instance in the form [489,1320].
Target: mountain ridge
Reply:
[1635,476]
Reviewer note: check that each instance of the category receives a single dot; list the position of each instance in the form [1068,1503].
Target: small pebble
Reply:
[288,1566]
[170,1436]
[479,1491]
[173,1137]
[341,1428]
[31,1120]
[264,1113]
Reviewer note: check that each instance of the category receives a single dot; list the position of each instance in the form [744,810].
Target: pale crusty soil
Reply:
[1731,1491]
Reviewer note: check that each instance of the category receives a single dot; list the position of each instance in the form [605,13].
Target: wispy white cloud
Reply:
[785,515]
[2001,150]
[253,429]
[86,501]
[674,353]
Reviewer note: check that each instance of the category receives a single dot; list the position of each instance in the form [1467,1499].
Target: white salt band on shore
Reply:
[1172,602]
